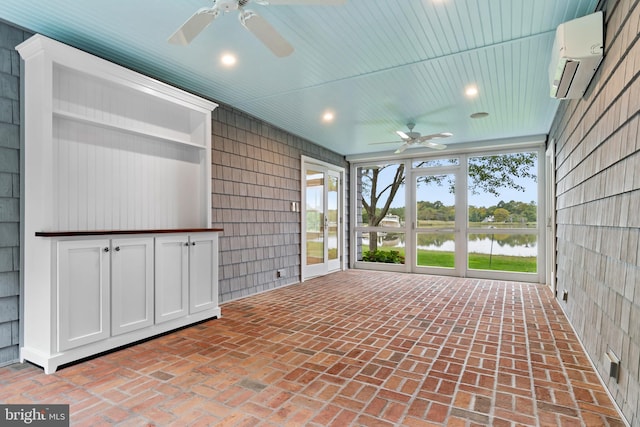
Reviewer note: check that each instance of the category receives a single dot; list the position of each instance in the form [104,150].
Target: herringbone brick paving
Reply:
[351,348]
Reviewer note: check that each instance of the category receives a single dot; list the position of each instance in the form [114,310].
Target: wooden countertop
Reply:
[114,232]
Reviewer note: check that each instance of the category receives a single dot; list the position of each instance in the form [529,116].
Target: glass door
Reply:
[436,236]
[333,219]
[322,220]
[315,242]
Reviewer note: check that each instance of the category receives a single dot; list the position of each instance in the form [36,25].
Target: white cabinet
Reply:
[186,275]
[172,283]
[83,289]
[116,291]
[131,284]
[110,155]
[203,272]
[105,288]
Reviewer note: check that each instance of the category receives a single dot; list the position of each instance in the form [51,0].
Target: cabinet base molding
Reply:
[51,362]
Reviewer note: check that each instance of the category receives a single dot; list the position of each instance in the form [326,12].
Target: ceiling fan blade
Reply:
[194,25]
[440,135]
[402,134]
[301,2]
[265,33]
[401,149]
[386,142]
[434,145]
[434,136]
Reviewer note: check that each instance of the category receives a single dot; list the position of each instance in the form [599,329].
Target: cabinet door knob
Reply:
[106,249]
[186,244]
[193,243]
[117,248]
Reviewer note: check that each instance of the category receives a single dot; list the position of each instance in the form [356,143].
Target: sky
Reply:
[434,193]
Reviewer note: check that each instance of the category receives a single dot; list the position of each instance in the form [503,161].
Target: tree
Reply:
[491,173]
[369,180]
[486,173]
[501,215]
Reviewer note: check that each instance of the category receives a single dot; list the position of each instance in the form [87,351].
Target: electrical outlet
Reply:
[279,274]
[614,365]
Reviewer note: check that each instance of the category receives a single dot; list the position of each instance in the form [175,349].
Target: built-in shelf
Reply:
[157,133]
[117,206]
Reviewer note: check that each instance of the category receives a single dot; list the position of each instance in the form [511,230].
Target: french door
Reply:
[322,223]
[437,238]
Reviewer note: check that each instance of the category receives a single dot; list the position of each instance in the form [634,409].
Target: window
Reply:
[503,212]
[471,215]
[380,215]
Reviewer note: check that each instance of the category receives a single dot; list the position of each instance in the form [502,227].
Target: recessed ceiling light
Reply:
[328,116]
[471,91]
[228,59]
[479,115]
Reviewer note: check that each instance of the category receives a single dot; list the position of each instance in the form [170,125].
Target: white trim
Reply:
[340,171]
[550,215]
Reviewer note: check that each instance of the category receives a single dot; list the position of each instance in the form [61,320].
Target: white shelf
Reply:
[158,133]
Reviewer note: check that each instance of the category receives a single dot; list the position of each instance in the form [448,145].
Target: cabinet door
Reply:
[83,292]
[171,277]
[203,272]
[131,284]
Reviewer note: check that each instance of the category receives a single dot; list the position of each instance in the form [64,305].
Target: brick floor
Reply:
[351,348]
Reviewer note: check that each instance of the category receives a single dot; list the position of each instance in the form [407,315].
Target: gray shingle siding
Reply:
[9,191]
[598,200]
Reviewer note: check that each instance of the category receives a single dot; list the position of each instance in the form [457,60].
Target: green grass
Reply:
[435,259]
[476,261]
[503,263]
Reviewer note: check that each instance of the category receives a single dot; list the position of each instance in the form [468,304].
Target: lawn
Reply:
[476,261]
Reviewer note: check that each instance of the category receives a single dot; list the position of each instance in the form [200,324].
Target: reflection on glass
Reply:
[315,217]
[389,247]
[504,252]
[435,250]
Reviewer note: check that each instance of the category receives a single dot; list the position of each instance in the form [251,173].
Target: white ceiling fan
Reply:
[415,138]
[248,18]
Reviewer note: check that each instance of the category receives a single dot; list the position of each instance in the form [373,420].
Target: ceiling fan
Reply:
[415,138]
[248,18]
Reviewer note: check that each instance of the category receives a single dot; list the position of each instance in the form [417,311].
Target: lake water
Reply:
[485,246]
[477,244]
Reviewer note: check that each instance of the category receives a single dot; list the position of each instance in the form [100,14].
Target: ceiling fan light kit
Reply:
[249,19]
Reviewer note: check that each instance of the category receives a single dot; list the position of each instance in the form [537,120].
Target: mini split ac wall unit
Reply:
[577,53]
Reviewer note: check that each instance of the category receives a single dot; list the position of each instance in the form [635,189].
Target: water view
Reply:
[497,244]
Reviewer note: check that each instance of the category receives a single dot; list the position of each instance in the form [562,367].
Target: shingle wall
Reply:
[598,207]
[9,191]
[255,177]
